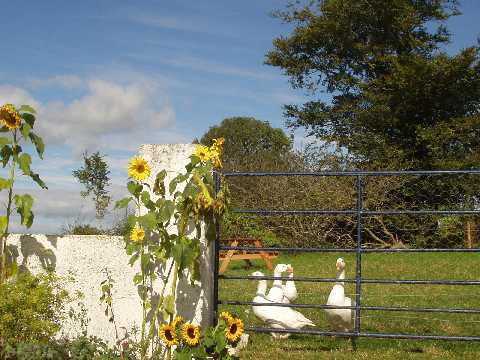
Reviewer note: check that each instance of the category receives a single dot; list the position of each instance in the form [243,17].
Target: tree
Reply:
[94,177]
[251,144]
[398,101]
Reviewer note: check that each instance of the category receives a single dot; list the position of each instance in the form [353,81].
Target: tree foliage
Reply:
[93,175]
[398,100]
[251,144]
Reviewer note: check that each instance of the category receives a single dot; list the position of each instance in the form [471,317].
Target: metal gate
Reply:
[359,212]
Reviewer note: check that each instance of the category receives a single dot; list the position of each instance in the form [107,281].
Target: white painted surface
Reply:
[85,257]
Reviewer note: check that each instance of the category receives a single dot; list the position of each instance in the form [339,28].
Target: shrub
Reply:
[31,307]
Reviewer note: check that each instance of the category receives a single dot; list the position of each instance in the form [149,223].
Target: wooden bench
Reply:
[229,255]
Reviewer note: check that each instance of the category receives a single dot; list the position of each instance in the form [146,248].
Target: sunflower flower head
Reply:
[167,335]
[138,169]
[191,334]
[234,330]
[202,152]
[10,117]
[137,233]
[225,315]
[176,321]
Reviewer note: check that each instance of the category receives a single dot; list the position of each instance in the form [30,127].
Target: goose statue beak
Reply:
[289,268]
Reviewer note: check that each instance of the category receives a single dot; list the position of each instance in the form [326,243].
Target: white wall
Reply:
[85,257]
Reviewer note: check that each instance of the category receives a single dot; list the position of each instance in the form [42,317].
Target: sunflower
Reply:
[225,315]
[218,143]
[176,321]
[137,233]
[234,330]
[191,334]
[10,117]
[167,334]
[138,169]
[202,152]
[216,157]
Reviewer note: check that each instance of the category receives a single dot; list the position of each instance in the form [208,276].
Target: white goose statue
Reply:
[275,316]
[340,319]
[289,289]
[276,292]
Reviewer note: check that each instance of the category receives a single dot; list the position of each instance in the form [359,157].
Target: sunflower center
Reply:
[191,332]
[233,328]
[169,335]
[140,168]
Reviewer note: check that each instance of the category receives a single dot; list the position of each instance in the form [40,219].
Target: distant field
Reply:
[388,266]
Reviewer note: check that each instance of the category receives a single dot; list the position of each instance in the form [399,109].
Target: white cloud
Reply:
[65,81]
[106,108]
[169,22]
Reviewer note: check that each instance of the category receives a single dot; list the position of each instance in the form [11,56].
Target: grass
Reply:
[455,266]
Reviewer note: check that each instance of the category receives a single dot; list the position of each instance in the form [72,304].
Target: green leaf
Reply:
[25,130]
[159,186]
[5,184]
[5,141]
[24,161]
[134,188]
[149,204]
[175,181]
[36,178]
[148,221]
[24,204]
[169,304]
[29,119]
[123,203]
[38,142]
[3,224]
[166,210]
[27,108]
[5,153]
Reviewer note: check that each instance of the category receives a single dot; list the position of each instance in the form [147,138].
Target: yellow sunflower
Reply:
[218,143]
[191,334]
[167,334]
[202,152]
[176,321]
[225,315]
[234,330]
[216,157]
[138,169]
[10,117]
[137,233]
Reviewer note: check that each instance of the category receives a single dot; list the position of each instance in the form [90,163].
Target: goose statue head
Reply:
[340,265]
[281,268]
[257,274]
[289,268]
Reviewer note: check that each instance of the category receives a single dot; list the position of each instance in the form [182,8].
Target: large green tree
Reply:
[251,144]
[397,100]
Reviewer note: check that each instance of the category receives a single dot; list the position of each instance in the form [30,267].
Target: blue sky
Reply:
[110,75]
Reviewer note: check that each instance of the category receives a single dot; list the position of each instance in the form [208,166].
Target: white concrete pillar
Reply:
[193,302]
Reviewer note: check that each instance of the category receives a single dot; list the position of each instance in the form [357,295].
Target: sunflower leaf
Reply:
[5,141]
[123,203]
[27,108]
[36,178]
[5,184]
[134,188]
[25,130]
[24,161]
[5,154]
[38,142]
[29,119]
[24,205]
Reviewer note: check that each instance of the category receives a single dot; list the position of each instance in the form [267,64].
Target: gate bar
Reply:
[343,250]
[363,307]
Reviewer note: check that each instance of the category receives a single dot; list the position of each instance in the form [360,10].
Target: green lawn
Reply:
[389,266]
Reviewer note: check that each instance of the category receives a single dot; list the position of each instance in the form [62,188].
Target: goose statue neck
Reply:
[262,287]
[340,277]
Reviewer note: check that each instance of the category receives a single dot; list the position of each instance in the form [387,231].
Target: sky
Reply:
[110,75]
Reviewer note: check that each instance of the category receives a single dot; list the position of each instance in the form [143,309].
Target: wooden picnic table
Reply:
[229,255]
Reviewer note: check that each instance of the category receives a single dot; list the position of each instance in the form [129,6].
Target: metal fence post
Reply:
[216,244]
[358,263]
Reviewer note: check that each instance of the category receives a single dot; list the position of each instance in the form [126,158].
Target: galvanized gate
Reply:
[359,212]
